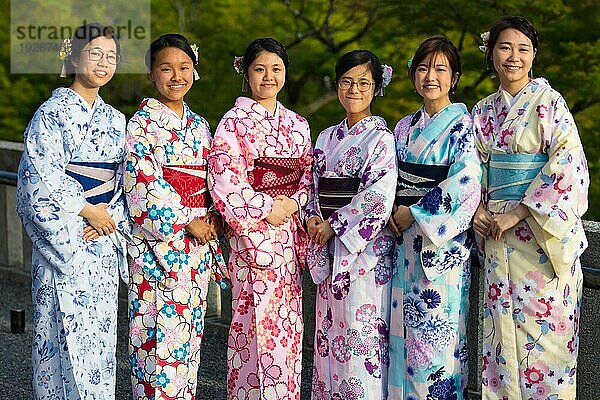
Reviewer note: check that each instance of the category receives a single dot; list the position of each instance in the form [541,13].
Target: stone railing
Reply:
[15,259]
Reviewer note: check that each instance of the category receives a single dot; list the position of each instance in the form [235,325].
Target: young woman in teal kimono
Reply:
[70,200]
[534,194]
[437,194]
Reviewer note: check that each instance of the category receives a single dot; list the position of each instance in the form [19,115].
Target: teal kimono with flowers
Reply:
[430,283]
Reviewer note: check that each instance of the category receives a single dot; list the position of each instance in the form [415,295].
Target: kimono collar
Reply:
[75,98]
[361,126]
[439,121]
[151,105]
[533,85]
[252,106]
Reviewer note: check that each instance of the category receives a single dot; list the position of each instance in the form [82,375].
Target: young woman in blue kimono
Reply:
[437,194]
[350,255]
[70,200]
[534,194]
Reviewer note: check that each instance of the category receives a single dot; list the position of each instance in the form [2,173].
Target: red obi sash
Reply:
[189,181]
[275,176]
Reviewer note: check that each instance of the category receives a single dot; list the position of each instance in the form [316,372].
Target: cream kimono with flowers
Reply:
[533,279]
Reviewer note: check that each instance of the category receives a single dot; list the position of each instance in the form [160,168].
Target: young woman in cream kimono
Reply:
[535,192]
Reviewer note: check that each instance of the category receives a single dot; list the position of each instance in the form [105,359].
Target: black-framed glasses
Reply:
[363,84]
[97,55]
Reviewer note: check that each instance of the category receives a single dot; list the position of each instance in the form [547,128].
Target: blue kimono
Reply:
[72,155]
[430,284]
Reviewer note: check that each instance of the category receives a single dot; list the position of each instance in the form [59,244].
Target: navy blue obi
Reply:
[415,180]
[97,178]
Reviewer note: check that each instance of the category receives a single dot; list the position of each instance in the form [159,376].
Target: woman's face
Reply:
[433,78]
[512,56]
[173,74]
[95,74]
[266,76]
[356,89]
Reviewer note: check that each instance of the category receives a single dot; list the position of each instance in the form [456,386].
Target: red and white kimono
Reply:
[255,156]
[165,185]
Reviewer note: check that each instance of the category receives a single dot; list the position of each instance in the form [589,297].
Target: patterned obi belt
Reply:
[415,180]
[509,175]
[275,176]
[97,178]
[336,192]
[189,181]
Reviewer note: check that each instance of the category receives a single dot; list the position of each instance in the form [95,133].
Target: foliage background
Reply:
[317,32]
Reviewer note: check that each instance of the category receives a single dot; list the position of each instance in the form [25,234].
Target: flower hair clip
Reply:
[485,38]
[63,54]
[409,63]
[195,51]
[387,77]
[238,64]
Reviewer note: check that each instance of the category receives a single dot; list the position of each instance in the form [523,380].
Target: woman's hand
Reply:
[503,222]
[97,216]
[392,223]
[201,230]
[482,221]
[403,218]
[312,225]
[215,221]
[290,205]
[89,233]
[278,215]
[323,233]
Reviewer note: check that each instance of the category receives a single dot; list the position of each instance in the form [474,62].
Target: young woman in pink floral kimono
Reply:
[535,192]
[260,179]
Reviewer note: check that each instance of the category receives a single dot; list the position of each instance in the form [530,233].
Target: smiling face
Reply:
[266,77]
[173,75]
[512,57]
[355,102]
[95,74]
[433,80]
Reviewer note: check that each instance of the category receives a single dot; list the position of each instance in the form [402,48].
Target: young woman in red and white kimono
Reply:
[259,178]
[174,235]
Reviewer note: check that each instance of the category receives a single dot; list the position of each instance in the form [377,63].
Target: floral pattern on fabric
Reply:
[264,355]
[533,278]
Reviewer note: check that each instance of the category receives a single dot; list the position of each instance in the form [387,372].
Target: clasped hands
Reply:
[493,226]
[205,228]
[282,210]
[400,220]
[100,222]
[319,231]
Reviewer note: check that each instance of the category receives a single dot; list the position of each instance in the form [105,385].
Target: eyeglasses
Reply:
[97,55]
[362,84]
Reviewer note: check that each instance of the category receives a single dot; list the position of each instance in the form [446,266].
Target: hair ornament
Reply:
[387,77]
[485,38]
[238,64]
[63,54]
[409,63]
[195,51]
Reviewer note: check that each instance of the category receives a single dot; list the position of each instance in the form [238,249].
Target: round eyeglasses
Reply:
[363,84]
[97,55]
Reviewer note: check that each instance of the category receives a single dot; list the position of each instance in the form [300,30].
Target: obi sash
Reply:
[509,175]
[189,181]
[275,176]
[97,178]
[415,180]
[336,192]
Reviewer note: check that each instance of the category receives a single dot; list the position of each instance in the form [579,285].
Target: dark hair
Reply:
[437,45]
[518,23]
[168,40]
[85,34]
[264,44]
[355,58]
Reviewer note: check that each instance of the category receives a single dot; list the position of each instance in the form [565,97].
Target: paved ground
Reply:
[15,358]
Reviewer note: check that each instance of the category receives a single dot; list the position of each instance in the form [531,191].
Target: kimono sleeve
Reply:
[304,195]
[240,206]
[557,197]
[52,199]
[360,221]
[153,203]
[447,210]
